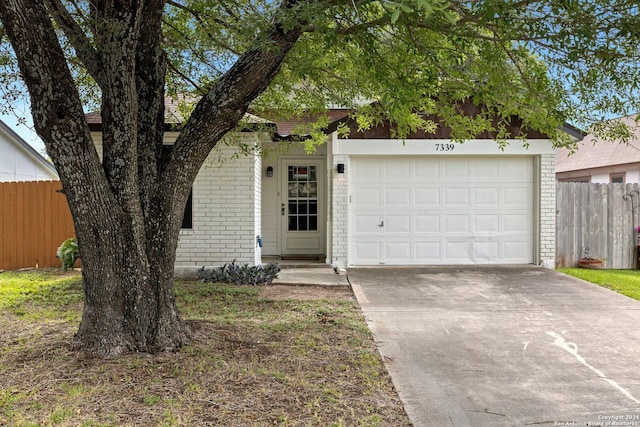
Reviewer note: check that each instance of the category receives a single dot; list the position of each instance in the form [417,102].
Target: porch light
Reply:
[340,167]
[269,171]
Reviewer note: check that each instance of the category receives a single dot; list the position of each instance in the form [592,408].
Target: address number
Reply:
[445,147]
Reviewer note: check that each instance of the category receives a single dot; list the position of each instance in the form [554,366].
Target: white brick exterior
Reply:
[547,213]
[226,210]
[340,212]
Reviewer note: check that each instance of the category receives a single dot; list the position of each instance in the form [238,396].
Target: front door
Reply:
[302,207]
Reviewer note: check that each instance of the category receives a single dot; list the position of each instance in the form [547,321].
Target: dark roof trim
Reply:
[573,131]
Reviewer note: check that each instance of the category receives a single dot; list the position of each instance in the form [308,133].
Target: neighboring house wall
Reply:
[630,173]
[19,161]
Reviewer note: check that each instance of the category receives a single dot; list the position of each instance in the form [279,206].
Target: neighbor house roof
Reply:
[593,152]
[28,149]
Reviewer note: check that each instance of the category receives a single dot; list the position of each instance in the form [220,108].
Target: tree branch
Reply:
[76,35]
[226,103]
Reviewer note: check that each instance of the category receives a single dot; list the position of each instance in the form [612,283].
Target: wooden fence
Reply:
[34,221]
[597,218]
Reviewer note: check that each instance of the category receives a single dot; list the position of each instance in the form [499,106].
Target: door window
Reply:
[302,192]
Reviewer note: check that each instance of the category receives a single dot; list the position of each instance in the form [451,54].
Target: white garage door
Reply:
[441,210]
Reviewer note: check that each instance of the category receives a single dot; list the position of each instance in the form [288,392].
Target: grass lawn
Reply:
[626,282]
[258,357]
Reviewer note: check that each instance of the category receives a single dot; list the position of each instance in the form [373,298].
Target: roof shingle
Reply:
[595,153]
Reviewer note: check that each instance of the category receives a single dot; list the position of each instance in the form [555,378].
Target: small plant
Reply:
[241,274]
[68,253]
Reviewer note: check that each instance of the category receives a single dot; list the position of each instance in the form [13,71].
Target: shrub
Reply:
[241,274]
[68,253]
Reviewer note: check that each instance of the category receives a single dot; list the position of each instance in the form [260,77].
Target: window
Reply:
[302,185]
[187,218]
[616,178]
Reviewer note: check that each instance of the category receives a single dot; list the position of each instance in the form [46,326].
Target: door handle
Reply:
[282,210]
[381,224]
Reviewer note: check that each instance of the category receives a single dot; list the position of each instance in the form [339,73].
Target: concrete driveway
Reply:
[504,346]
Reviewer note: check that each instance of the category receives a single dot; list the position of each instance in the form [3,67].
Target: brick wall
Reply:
[226,210]
[340,212]
[547,210]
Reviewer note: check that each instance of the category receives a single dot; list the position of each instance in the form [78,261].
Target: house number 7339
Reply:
[444,147]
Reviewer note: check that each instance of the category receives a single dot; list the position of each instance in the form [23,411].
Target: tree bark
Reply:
[127,207]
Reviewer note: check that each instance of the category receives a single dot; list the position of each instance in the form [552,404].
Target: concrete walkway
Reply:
[318,276]
[504,346]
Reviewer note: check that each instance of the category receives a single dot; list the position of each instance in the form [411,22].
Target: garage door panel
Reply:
[398,252]
[485,170]
[459,252]
[486,196]
[457,196]
[396,170]
[427,223]
[456,224]
[455,170]
[369,171]
[517,170]
[397,196]
[487,223]
[517,196]
[367,197]
[486,252]
[427,196]
[517,251]
[428,251]
[397,224]
[368,253]
[517,223]
[426,169]
[365,224]
[441,210]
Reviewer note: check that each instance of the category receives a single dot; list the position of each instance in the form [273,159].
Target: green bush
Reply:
[68,253]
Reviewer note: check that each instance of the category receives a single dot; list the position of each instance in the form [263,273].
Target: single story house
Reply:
[19,161]
[371,199]
[600,161]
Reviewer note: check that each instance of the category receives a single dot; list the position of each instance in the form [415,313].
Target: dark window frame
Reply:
[613,178]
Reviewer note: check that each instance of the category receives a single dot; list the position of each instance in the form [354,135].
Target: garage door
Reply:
[441,210]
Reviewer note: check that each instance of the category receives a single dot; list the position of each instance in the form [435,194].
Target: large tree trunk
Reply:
[127,207]
[129,299]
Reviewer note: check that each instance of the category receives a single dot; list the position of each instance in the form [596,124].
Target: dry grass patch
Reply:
[257,358]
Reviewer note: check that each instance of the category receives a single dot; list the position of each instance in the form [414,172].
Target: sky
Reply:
[25,130]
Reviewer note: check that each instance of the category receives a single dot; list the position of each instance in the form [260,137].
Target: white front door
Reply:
[302,207]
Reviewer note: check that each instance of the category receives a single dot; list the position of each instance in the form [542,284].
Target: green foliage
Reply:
[68,253]
[546,61]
